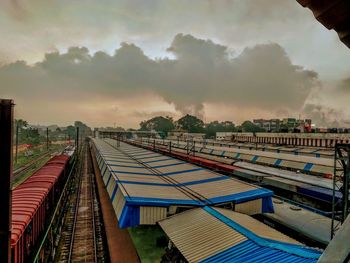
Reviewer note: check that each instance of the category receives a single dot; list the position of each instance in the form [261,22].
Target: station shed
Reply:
[210,234]
[145,187]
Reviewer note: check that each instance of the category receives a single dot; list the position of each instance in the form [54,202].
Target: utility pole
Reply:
[47,138]
[6,155]
[77,139]
[17,132]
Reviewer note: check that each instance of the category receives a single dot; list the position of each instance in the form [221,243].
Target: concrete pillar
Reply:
[6,152]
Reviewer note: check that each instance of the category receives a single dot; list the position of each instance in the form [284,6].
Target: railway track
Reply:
[82,235]
[22,170]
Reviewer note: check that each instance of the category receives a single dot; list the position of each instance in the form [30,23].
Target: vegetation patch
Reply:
[149,242]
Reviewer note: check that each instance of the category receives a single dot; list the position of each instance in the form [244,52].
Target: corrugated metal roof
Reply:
[195,231]
[146,178]
[219,235]
[285,160]
[255,226]
[248,153]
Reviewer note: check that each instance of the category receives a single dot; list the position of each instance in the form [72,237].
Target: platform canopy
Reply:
[219,235]
[146,187]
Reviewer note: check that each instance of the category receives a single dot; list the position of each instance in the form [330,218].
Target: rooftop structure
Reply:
[219,235]
[295,139]
[184,135]
[307,164]
[146,187]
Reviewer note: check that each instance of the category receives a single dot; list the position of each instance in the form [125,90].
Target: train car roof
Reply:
[29,195]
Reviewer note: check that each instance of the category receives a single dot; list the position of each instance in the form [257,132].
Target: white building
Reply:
[224,136]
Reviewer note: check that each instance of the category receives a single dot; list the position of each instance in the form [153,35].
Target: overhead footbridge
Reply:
[145,187]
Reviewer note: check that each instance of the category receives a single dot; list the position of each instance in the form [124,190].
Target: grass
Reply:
[145,238]
[22,160]
[33,169]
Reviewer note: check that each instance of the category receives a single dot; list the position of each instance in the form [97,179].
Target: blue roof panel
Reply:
[259,249]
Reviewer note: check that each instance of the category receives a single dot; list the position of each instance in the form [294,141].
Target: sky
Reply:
[118,62]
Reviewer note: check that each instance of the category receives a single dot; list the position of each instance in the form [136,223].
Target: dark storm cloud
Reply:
[202,72]
[325,116]
[34,27]
[261,76]
[329,106]
[345,86]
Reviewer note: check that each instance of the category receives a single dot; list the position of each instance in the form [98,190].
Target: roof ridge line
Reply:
[295,249]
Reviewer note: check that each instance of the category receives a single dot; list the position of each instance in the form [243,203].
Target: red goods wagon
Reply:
[32,204]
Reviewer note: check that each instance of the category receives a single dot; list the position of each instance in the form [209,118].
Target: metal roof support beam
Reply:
[6,166]
[341,181]
[338,249]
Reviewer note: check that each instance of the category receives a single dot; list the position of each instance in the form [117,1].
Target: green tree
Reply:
[30,136]
[191,123]
[21,123]
[71,131]
[215,126]
[159,123]
[84,130]
[27,134]
[248,126]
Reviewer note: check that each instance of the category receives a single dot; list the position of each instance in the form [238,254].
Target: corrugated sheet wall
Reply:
[150,215]
[250,208]
[119,203]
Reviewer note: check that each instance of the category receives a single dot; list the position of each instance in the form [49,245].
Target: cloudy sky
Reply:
[112,62]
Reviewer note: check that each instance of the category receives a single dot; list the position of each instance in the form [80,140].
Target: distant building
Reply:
[224,136]
[284,125]
[268,125]
[184,135]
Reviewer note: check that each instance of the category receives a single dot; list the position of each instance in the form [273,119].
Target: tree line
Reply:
[194,124]
[29,134]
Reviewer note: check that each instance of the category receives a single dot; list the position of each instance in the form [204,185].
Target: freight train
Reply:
[33,203]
